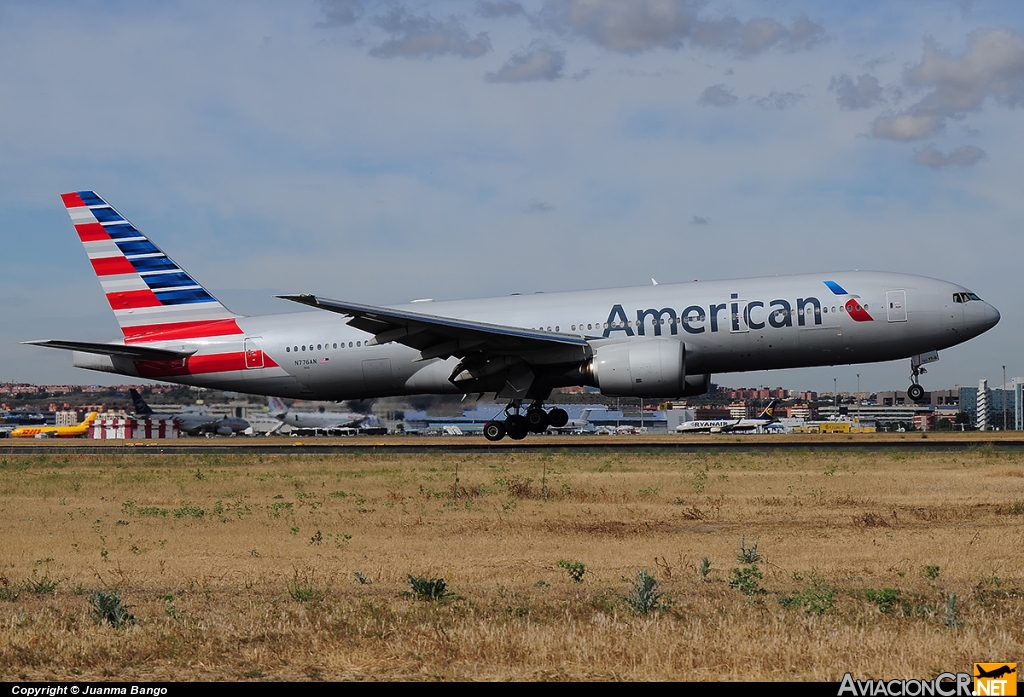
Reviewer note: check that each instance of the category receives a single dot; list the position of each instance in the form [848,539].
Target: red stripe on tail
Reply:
[133,299]
[175,331]
[90,232]
[112,266]
[72,200]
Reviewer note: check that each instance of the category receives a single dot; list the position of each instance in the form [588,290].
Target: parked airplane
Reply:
[193,423]
[658,341]
[719,425]
[328,420]
[574,424]
[55,431]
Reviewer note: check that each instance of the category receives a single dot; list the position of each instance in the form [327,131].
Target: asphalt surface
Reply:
[672,443]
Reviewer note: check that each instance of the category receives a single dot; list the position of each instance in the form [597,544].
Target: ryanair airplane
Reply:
[659,341]
[766,417]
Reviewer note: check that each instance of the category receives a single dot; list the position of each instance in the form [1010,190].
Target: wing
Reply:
[507,360]
[143,353]
[440,337]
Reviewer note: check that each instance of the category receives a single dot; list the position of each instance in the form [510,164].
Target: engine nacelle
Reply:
[640,368]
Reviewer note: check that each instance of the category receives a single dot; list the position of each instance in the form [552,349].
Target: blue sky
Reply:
[382,151]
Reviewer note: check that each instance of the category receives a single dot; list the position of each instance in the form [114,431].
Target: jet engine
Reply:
[643,368]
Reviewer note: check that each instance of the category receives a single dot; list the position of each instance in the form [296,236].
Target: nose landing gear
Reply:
[915,391]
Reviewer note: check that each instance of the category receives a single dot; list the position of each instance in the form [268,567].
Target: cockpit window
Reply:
[964,297]
[972,296]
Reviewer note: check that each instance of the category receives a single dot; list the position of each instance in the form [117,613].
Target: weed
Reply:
[644,596]
[700,480]
[541,584]
[108,607]
[305,591]
[649,491]
[830,469]
[1017,508]
[363,580]
[188,510]
[705,568]
[317,538]
[949,619]
[425,588]
[886,599]
[747,580]
[7,591]
[931,572]
[817,600]
[576,569]
[43,586]
[748,556]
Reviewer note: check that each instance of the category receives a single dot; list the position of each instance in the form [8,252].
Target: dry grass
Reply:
[239,567]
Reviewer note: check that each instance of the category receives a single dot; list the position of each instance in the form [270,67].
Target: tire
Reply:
[558,417]
[516,427]
[494,431]
[915,392]
[537,421]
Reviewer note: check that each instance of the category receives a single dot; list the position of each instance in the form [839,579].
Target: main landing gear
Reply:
[517,423]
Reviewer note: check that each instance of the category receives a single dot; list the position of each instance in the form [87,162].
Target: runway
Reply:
[878,442]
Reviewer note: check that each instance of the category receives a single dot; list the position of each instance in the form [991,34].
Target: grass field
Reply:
[298,567]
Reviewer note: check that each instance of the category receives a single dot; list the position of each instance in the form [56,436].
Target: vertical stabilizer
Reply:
[151,296]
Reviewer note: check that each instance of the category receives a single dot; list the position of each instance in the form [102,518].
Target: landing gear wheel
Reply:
[915,392]
[558,417]
[494,431]
[516,427]
[537,420]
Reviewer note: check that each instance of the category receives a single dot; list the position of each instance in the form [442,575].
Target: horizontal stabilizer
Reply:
[142,353]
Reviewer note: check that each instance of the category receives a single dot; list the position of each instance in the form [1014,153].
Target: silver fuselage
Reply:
[725,326]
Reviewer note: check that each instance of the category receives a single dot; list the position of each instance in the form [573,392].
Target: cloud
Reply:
[426,37]
[717,95]
[642,25]
[491,10]
[341,11]
[862,94]
[698,220]
[776,101]
[992,67]
[964,156]
[538,61]
[537,206]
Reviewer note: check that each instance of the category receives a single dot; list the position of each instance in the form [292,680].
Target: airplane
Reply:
[193,423]
[725,425]
[574,424]
[326,420]
[658,341]
[56,431]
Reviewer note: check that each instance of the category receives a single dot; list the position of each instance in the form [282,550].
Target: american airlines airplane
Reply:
[659,341]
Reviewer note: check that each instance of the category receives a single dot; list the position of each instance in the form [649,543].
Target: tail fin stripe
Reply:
[154,264]
[106,215]
[89,198]
[112,266]
[123,231]
[90,232]
[132,299]
[72,200]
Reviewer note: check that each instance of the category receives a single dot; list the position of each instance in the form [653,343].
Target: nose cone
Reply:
[991,317]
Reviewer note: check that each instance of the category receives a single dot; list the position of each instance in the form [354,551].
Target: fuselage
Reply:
[725,326]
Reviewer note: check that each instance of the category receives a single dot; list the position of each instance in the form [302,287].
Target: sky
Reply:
[384,151]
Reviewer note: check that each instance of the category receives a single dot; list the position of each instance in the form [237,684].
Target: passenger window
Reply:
[288,349]
[319,347]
